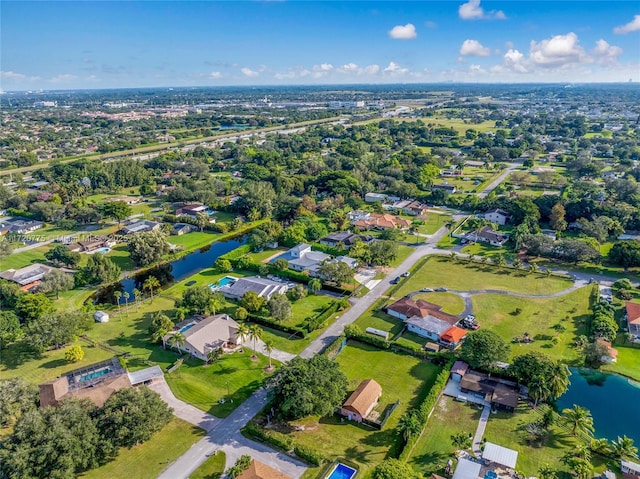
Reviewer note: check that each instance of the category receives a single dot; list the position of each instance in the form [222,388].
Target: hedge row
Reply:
[334,346]
[236,253]
[354,332]
[329,250]
[425,408]
[316,321]
[272,323]
[286,443]
[276,438]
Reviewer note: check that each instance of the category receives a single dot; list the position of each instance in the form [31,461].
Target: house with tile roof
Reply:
[259,470]
[28,277]
[202,336]
[382,222]
[362,401]
[633,319]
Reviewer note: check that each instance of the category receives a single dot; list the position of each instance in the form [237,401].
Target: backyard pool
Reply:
[226,280]
[342,472]
[187,327]
[94,374]
[103,250]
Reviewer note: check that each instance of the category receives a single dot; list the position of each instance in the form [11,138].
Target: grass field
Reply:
[148,460]
[442,271]
[434,448]
[401,376]
[628,363]
[204,386]
[538,317]
[451,303]
[24,258]
[212,468]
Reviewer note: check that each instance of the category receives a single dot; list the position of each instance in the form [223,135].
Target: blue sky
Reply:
[68,44]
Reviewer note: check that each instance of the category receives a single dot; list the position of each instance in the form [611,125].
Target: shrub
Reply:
[272,437]
[239,467]
[74,354]
[312,456]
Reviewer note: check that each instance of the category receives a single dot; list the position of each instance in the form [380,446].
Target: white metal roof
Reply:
[501,455]
[144,375]
[466,469]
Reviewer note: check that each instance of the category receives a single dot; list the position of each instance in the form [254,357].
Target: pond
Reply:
[171,272]
[613,401]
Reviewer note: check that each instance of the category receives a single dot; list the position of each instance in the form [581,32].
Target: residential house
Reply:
[492,453]
[28,277]
[427,320]
[500,395]
[447,188]
[487,235]
[194,209]
[467,469]
[130,200]
[346,238]
[427,327]
[350,262]
[379,198]
[258,470]
[416,208]
[301,258]
[497,216]
[611,355]
[265,288]
[633,320]
[453,337]
[382,222]
[96,382]
[21,225]
[92,244]
[358,215]
[458,370]
[362,401]
[101,317]
[629,469]
[179,229]
[140,226]
[202,336]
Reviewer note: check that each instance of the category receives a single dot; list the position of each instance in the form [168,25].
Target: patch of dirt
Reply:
[442,406]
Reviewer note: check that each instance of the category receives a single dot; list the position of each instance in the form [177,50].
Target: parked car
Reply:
[441,289]
[395,280]
[426,290]
[405,275]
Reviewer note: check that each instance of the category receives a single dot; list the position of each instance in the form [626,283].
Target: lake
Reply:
[613,401]
[172,271]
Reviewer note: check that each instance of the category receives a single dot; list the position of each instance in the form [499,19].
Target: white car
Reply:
[426,290]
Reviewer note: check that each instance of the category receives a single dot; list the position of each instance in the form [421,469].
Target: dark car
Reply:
[395,280]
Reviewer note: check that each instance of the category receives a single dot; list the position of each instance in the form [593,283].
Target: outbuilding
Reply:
[101,317]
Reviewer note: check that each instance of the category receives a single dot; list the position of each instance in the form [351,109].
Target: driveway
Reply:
[494,184]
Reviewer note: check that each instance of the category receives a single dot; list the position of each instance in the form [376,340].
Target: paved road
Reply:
[494,184]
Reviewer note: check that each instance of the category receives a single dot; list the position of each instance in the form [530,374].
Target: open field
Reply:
[147,460]
[442,271]
[401,376]
[628,360]
[24,258]
[434,448]
[212,468]
[451,303]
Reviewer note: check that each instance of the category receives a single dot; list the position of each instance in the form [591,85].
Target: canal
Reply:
[613,401]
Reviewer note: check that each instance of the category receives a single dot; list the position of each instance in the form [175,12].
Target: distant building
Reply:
[28,277]
[498,216]
[179,229]
[362,401]
[92,244]
[380,198]
[448,188]
[101,317]
[633,320]
[21,225]
[194,209]
[345,238]
[382,222]
[141,226]
[45,104]
[487,235]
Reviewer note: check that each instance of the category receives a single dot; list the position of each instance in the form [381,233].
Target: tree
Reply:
[335,271]
[222,265]
[315,285]
[297,292]
[126,296]
[30,307]
[5,248]
[279,307]
[62,254]
[148,248]
[255,334]
[16,397]
[461,440]
[195,299]
[243,332]
[556,219]
[623,448]
[578,419]
[160,326]
[202,220]
[100,269]
[304,387]
[546,378]
[241,313]
[54,330]
[251,301]
[428,173]
[393,469]
[55,281]
[150,283]
[214,355]
[10,292]
[625,253]
[281,264]
[118,210]
[133,415]
[482,349]
[74,354]
[137,296]
[216,302]
[10,330]
[547,472]
[409,425]
[269,346]
[383,252]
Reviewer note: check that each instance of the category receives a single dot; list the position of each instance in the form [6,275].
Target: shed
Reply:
[101,317]
[360,404]
[458,370]
[500,455]
[467,469]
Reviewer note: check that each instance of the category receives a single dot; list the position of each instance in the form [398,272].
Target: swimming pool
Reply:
[187,327]
[94,375]
[342,472]
[227,280]
[103,250]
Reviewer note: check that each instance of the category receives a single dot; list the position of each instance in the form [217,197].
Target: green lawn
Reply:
[194,240]
[212,468]
[119,254]
[402,377]
[538,317]
[204,386]
[25,258]
[451,303]
[403,253]
[148,460]
[434,449]
[442,271]
[628,363]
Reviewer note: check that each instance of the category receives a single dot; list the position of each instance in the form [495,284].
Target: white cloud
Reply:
[474,48]
[394,69]
[430,24]
[63,78]
[9,75]
[557,51]
[248,72]
[403,32]
[371,69]
[514,60]
[215,75]
[632,26]
[605,53]
[473,11]
[349,68]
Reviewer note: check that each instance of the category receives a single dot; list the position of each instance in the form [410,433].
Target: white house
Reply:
[202,336]
[265,288]
[498,216]
[303,259]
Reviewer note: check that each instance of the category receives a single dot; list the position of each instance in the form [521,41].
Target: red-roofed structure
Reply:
[633,319]
[453,336]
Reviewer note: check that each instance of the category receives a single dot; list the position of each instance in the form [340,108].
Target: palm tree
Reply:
[202,220]
[539,390]
[315,285]
[255,333]
[578,419]
[126,296]
[214,355]
[500,260]
[600,446]
[461,440]
[558,380]
[581,467]
[136,296]
[533,268]
[623,448]
[409,425]
[268,347]
[547,472]
[150,283]
[177,339]
[243,332]
[215,302]
[118,295]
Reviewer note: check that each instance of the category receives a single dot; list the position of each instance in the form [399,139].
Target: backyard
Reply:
[402,377]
